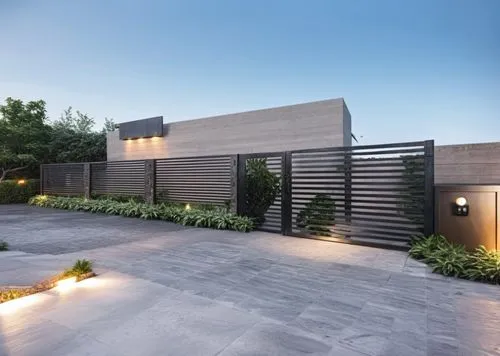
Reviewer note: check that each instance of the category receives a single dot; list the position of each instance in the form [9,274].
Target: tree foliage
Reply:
[28,138]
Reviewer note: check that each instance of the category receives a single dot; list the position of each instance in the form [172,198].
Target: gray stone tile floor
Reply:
[164,289]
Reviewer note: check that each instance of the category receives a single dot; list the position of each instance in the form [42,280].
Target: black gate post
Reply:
[348,186]
[240,184]
[233,206]
[286,193]
[86,180]
[41,179]
[149,181]
[429,187]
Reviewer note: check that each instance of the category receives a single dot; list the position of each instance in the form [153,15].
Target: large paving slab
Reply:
[178,291]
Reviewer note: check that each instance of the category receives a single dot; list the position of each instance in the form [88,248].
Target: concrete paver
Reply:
[170,290]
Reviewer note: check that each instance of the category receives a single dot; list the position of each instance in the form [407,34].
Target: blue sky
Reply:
[408,70]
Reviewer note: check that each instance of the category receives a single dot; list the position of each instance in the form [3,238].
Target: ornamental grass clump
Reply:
[454,260]
[215,218]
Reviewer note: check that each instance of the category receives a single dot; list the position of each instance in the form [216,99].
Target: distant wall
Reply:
[319,124]
[467,164]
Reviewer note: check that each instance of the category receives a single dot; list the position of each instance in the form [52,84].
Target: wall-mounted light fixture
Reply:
[460,207]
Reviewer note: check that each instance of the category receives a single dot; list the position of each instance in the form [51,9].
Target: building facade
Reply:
[318,124]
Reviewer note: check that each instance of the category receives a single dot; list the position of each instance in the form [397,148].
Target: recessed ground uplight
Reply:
[188,207]
[21,182]
[66,284]
[14,305]
[12,299]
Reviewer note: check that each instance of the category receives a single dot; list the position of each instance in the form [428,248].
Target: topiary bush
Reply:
[318,216]
[218,218]
[261,189]
[11,192]
[452,259]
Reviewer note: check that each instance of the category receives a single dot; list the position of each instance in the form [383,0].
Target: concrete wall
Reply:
[312,125]
[467,164]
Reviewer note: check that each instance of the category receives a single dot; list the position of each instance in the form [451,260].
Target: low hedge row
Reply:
[12,192]
[215,219]
[453,260]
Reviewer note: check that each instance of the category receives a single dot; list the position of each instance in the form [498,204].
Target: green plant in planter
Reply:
[261,189]
[318,216]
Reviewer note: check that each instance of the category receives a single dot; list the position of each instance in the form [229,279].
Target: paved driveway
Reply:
[167,290]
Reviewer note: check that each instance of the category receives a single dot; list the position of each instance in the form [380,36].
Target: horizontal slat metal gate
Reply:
[368,194]
[373,195]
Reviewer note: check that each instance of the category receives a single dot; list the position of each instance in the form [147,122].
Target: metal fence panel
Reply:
[117,178]
[195,179]
[62,179]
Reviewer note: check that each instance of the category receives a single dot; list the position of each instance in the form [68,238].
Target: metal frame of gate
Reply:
[383,193]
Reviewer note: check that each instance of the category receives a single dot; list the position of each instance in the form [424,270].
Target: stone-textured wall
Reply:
[319,124]
[477,163]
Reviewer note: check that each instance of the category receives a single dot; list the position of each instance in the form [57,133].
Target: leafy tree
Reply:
[74,140]
[11,162]
[81,123]
[27,138]
[109,125]
[24,135]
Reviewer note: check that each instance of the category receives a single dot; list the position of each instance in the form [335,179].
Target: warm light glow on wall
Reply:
[143,148]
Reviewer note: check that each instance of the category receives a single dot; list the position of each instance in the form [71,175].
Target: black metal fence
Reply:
[195,180]
[378,194]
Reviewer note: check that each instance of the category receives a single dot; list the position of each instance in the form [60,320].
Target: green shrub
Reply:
[118,197]
[484,266]
[12,192]
[80,268]
[453,260]
[261,189]
[422,247]
[216,218]
[4,246]
[318,216]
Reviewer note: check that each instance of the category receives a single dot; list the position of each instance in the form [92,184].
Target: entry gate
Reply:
[371,195]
